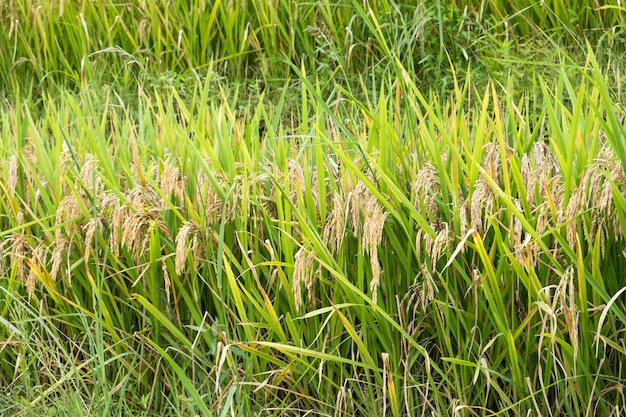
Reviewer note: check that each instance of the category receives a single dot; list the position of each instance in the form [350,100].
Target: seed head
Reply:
[577,202]
[213,205]
[358,198]
[297,183]
[427,288]
[546,163]
[167,282]
[13,174]
[187,240]
[3,255]
[61,245]
[172,182]
[335,228]
[426,187]
[491,161]
[303,270]
[135,232]
[373,225]
[17,254]
[90,175]
[68,209]
[567,300]
[36,264]
[119,214]
[528,178]
[464,214]
[443,241]
[90,230]
[482,200]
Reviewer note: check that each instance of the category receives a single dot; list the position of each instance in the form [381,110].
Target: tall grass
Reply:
[447,255]
[78,43]
[348,243]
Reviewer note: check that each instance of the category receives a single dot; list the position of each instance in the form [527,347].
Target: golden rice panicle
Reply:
[482,203]
[303,273]
[172,182]
[442,242]
[136,219]
[544,218]
[107,206]
[36,265]
[528,178]
[373,225]
[549,320]
[608,172]
[135,233]
[578,202]
[570,216]
[167,282]
[117,223]
[334,230]
[61,245]
[187,240]
[433,247]
[566,293]
[18,251]
[240,193]
[492,162]
[213,205]
[606,204]
[298,184]
[295,177]
[539,169]
[423,243]
[90,175]
[426,288]
[67,210]
[546,163]
[209,197]
[426,186]
[595,195]
[183,246]
[357,198]
[375,282]
[13,174]
[314,189]
[4,254]
[94,224]
[65,157]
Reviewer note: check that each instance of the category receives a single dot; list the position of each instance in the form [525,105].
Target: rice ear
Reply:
[186,241]
[335,228]
[373,225]
[303,271]
[482,202]
[13,174]
[172,182]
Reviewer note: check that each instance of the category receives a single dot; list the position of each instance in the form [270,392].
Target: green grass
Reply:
[286,215]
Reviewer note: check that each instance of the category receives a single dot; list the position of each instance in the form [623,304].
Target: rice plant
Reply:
[335,245]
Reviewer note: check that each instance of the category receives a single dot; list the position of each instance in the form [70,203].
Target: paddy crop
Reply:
[358,246]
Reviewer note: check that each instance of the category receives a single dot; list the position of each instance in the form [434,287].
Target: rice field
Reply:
[332,208]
